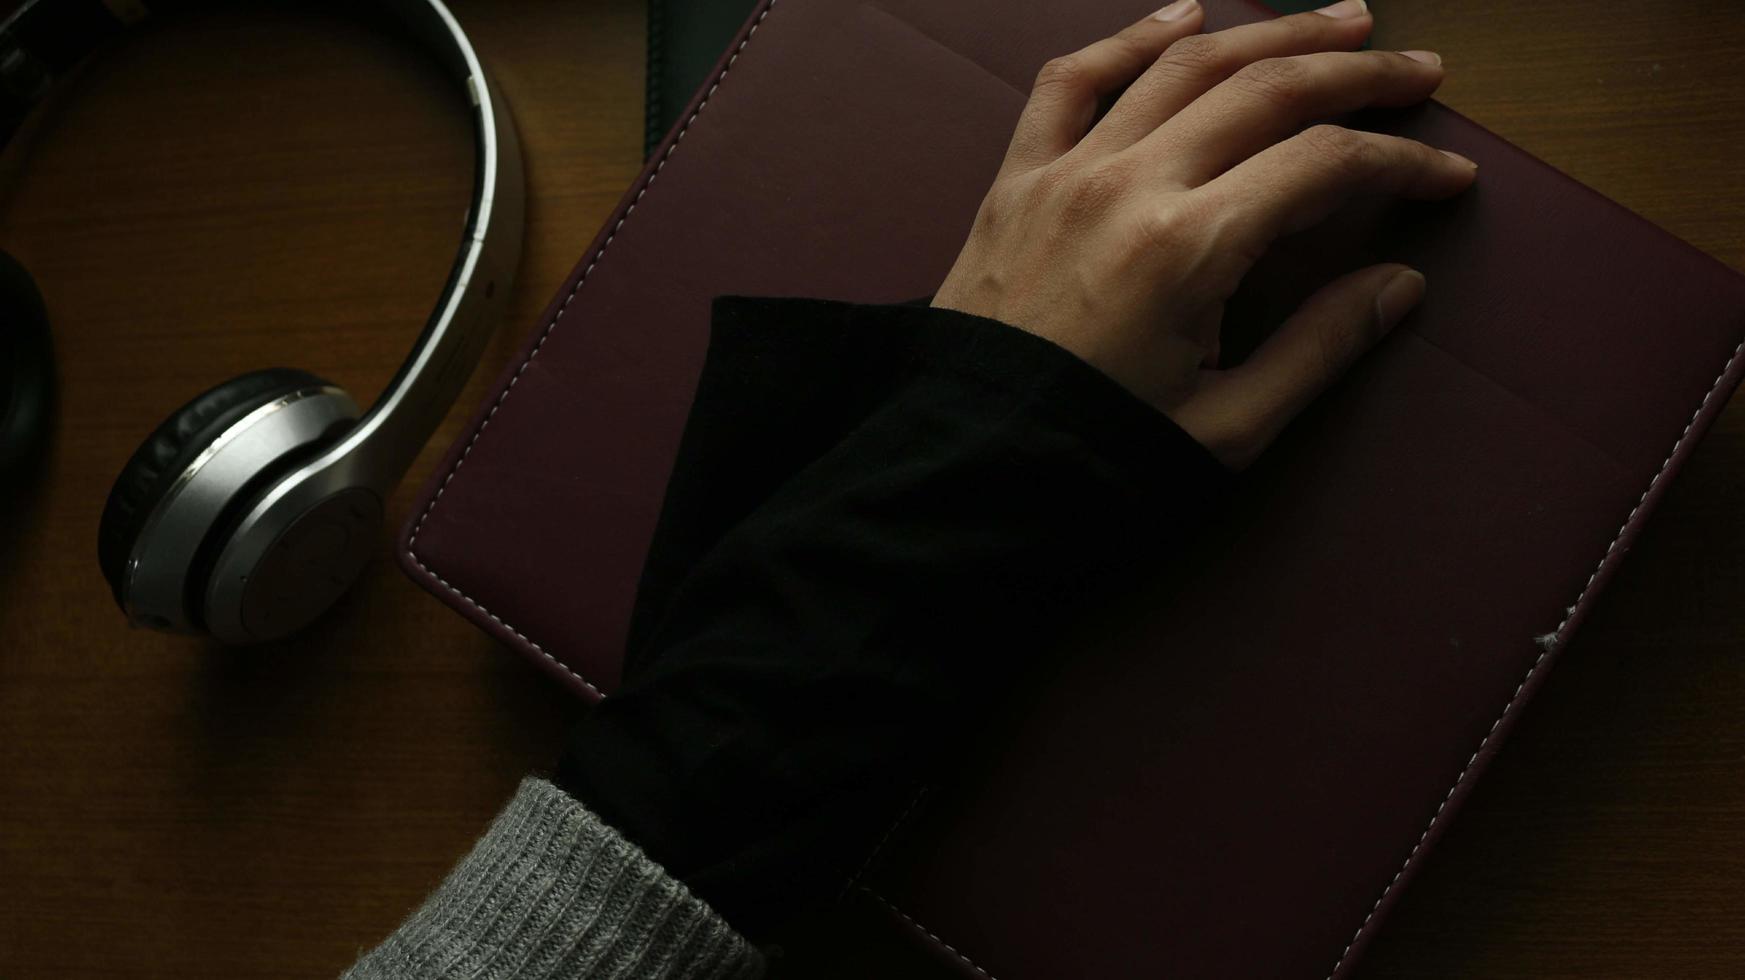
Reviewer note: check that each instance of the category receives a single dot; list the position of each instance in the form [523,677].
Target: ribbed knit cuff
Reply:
[552,892]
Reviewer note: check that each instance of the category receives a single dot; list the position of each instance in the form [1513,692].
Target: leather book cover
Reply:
[685,38]
[1236,777]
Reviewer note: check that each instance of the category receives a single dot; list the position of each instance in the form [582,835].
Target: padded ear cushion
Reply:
[157,463]
[26,372]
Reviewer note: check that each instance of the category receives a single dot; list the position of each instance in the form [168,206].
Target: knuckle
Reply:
[1197,212]
[1195,54]
[1193,62]
[1158,230]
[992,215]
[1033,139]
[1337,146]
[1063,74]
[1129,50]
[1276,81]
[1082,190]
[1097,187]
[1050,182]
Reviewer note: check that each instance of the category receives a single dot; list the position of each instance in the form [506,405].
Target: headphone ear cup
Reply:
[170,449]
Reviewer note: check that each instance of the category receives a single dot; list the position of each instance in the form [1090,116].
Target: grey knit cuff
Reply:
[551,892]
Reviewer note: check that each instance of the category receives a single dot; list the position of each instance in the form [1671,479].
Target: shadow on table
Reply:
[22,499]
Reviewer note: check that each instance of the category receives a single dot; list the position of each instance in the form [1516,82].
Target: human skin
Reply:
[1121,238]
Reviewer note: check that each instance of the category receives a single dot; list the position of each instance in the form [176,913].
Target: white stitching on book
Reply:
[966,961]
[518,634]
[1547,644]
[872,855]
[412,539]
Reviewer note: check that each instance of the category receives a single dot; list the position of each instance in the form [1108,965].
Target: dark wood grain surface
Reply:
[284,186]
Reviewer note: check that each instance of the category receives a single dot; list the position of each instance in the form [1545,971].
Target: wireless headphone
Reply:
[252,508]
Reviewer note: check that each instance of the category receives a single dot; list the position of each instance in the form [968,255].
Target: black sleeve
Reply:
[876,514]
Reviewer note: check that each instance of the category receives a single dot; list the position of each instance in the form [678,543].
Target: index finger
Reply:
[1068,89]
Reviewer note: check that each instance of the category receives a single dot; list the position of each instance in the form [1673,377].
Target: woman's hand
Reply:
[1122,241]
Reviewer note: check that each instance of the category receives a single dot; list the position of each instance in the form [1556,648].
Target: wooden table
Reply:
[232,192]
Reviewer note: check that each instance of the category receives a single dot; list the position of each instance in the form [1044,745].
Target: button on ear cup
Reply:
[26,372]
[168,451]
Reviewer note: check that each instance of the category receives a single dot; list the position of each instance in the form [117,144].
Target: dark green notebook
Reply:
[686,38]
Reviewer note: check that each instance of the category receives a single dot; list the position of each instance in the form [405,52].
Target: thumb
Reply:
[1242,410]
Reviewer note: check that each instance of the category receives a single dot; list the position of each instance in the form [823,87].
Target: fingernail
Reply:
[1398,297]
[1345,8]
[1177,10]
[1427,57]
[1450,154]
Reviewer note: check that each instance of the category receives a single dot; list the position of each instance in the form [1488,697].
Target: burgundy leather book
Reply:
[1237,777]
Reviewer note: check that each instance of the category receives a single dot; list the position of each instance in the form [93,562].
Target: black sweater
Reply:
[877,513]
